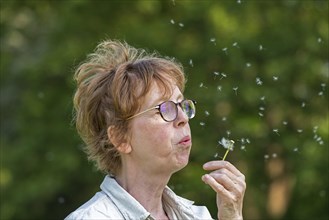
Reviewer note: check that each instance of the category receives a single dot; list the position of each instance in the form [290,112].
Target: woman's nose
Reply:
[182,118]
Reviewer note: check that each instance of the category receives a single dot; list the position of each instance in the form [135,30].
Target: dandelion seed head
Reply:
[227,144]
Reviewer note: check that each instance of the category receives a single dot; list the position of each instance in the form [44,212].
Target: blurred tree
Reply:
[258,69]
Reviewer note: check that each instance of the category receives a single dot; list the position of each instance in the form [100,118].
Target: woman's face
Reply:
[159,146]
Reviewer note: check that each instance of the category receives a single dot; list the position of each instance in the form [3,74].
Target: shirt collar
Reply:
[129,207]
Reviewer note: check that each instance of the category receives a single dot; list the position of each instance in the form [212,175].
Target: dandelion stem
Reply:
[226,153]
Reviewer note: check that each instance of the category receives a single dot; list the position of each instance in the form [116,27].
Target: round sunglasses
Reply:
[169,110]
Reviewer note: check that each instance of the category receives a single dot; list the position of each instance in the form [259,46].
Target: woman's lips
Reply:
[185,141]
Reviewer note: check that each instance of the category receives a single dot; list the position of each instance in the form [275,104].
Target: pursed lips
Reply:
[186,141]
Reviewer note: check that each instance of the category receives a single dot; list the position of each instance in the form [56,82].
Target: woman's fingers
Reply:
[218,188]
[220,164]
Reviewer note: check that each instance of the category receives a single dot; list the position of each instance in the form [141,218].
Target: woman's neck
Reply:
[146,189]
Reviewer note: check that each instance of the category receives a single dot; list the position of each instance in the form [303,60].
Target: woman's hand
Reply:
[229,184]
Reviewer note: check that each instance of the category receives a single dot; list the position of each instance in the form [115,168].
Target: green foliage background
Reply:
[258,69]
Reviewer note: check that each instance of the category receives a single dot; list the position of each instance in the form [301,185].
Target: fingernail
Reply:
[205,166]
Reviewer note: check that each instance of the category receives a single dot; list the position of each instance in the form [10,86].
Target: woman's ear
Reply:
[123,147]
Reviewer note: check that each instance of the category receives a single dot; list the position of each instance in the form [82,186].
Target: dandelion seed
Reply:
[202,86]
[261,108]
[216,155]
[228,133]
[299,130]
[224,119]
[181,25]
[216,74]
[319,40]
[238,1]
[258,81]
[320,93]
[235,44]
[275,78]
[303,105]
[225,50]
[236,90]
[260,114]
[262,98]
[261,47]
[296,149]
[285,122]
[191,62]
[172,21]
[274,155]
[202,123]
[276,131]
[206,113]
[323,85]
[315,128]
[248,64]
[266,156]
[213,40]
[219,88]
[223,75]
[243,147]
[247,140]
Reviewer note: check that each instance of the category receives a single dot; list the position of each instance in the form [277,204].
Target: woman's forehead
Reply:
[157,95]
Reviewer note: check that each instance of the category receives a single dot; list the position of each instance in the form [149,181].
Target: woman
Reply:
[133,117]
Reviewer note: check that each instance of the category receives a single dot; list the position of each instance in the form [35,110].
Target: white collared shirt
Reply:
[114,202]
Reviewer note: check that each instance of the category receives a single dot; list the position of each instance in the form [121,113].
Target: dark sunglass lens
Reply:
[168,111]
[189,108]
